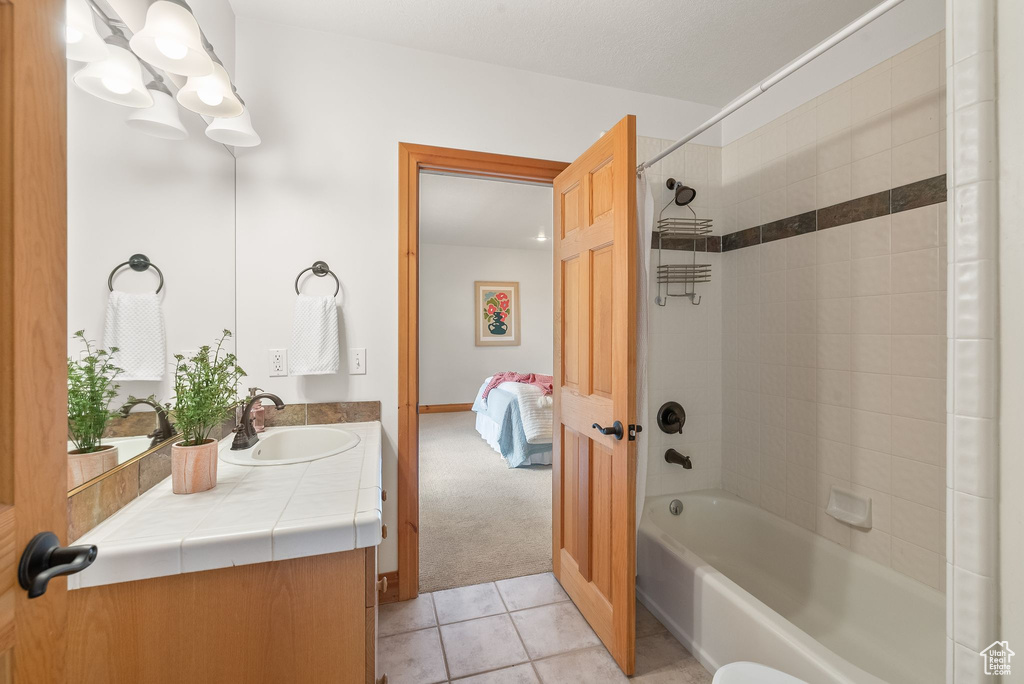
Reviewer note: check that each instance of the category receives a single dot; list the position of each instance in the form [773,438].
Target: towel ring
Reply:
[139,263]
[319,269]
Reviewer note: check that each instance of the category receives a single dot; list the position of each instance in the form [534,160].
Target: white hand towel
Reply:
[135,325]
[314,349]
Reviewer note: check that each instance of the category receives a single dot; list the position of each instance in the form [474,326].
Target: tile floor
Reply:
[517,631]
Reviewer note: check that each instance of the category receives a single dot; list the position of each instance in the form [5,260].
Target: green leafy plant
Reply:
[205,390]
[91,388]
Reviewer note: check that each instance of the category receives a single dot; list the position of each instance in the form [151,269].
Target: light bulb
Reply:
[118,86]
[72,35]
[170,48]
[210,96]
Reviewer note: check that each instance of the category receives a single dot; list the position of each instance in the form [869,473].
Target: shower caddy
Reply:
[685,228]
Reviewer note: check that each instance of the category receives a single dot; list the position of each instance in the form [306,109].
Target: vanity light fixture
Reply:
[211,95]
[172,40]
[84,43]
[541,237]
[117,77]
[236,130]
[160,120]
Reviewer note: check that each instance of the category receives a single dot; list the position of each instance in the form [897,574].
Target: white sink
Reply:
[284,446]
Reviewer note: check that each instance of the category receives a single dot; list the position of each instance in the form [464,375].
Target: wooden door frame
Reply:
[33,328]
[411,160]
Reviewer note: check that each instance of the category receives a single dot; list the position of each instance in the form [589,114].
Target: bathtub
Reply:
[734,582]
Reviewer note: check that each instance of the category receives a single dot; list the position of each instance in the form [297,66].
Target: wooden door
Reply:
[33,329]
[594,475]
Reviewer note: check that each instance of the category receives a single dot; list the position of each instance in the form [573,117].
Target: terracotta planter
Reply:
[194,468]
[83,467]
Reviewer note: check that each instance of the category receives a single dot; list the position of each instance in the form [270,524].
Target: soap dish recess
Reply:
[852,509]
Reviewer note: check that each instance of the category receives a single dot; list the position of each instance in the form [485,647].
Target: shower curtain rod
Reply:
[754,92]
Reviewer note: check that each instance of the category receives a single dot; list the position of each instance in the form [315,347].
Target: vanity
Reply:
[271,576]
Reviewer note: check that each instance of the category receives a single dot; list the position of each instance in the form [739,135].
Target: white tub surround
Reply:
[253,515]
[734,582]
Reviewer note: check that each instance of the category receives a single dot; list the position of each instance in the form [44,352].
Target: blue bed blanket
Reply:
[502,407]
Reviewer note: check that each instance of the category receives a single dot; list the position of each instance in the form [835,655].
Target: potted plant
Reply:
[91,388]
[205,391]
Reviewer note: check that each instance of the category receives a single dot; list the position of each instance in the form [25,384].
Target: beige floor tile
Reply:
[412,657]
[531,591]
[466,603]
[591,666]
[480,645]
[553,629]
[646,623]
[406,616]
[660,659]
[520,674]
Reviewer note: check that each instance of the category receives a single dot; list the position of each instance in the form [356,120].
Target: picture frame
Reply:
[497,318]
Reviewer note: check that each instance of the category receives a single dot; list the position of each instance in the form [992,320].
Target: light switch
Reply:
[357,361]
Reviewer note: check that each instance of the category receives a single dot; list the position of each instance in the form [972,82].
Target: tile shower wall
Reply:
[685,348]
[834,341]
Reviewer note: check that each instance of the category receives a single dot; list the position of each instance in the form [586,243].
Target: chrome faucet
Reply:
[164,430]
[245,432]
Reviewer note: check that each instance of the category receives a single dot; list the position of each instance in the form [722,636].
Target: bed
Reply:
[515,420]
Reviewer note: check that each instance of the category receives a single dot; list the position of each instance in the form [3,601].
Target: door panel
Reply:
[594,475]
[33,316]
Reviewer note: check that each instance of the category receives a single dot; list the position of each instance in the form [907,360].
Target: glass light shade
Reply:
[160,120]
[210,95]
[84,43]
[171,40]
[236,131]
[116,78]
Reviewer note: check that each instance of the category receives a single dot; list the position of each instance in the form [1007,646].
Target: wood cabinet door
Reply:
[33,329]
[594,474]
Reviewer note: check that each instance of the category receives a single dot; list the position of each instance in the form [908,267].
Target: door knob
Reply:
[44,558]
[615,429]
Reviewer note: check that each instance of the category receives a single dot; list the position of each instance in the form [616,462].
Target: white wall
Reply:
[893,32]
[452,367]
[684,361]
[331,111]
[172,200]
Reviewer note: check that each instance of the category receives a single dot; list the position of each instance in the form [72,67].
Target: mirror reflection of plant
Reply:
[205,390]
[91,388]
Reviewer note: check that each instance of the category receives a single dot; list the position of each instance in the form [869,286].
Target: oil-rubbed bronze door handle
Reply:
[44,558]
[615,429]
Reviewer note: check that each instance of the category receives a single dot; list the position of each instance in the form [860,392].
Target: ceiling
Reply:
[474,212]
[706,51]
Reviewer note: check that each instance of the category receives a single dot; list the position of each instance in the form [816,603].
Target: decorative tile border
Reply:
[97,502]
[911,196]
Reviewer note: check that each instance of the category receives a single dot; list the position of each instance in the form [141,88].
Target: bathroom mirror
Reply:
[151,263]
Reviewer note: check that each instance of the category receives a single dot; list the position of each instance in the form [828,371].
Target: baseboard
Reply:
[391,595]
[445,408]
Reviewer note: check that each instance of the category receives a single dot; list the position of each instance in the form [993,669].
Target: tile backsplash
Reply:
[97,502]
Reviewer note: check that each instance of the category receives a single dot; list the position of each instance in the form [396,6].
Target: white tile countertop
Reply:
[255,514]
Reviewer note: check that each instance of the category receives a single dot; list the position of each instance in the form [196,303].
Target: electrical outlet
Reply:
[357,361]
[278,362]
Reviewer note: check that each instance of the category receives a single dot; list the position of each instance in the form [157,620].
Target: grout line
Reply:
[479,617]
[440,640]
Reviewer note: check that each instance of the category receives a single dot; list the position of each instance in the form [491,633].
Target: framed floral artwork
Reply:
[497,314]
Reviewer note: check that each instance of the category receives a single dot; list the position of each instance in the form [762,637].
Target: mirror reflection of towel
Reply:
[135,325]
[315,348]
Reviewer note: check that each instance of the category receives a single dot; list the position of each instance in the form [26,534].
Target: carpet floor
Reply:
[480,521]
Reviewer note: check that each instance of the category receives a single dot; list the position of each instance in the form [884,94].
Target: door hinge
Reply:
[634,430]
